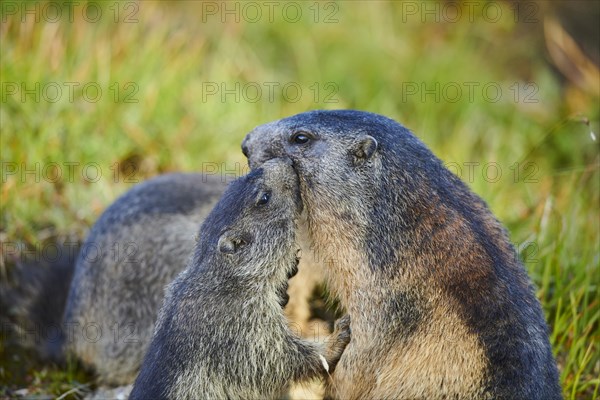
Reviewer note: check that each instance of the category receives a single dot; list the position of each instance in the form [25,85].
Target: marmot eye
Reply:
[264,199]
[300,138]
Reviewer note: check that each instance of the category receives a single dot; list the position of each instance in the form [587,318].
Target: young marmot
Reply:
[221,332]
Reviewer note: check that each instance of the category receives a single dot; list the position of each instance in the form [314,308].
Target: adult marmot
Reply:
[441,306]
[221,332]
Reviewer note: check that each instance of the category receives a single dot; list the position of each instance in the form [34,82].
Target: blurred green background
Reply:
[96,96]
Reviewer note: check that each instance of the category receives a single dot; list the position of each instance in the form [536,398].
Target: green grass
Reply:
[547,194]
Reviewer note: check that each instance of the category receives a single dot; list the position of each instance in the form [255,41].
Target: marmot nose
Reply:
[245,150]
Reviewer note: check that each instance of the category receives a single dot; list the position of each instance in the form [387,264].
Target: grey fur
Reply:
[441,306]
[139,244]
[221,331]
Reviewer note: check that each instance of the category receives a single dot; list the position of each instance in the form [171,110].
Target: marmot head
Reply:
[363,172]
[250,232]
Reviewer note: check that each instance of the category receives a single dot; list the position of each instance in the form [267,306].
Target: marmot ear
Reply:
[363,149]
[230,244]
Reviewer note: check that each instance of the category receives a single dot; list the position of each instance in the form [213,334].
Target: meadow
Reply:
[97,96]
